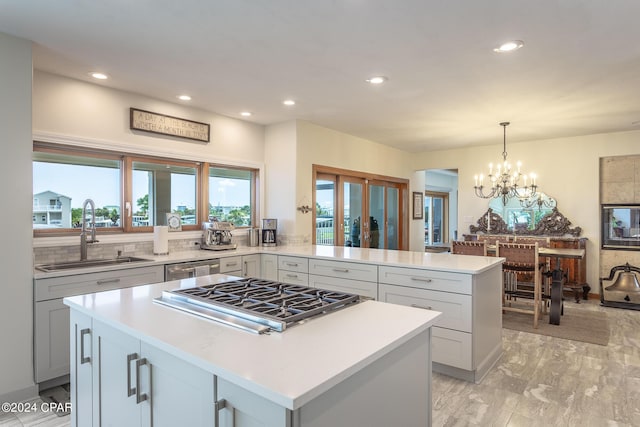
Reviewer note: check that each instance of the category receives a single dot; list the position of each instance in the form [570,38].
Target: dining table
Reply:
[557,279]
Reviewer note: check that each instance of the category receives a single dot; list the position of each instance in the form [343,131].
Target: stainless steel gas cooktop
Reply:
[256,305]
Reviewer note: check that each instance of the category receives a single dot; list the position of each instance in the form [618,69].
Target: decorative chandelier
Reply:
[505,183]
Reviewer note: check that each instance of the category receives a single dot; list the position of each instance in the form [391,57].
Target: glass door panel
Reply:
[352,229]
[376,238]
[393,218]
[325,208]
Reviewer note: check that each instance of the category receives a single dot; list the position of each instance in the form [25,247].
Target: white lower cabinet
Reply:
[293,270]
[231,266]
[51,316]
[467,338]
[251,265]
[238,407]
[405,371]
[358,287]
[136,384]
[243,266]
[269,267]
[340,276]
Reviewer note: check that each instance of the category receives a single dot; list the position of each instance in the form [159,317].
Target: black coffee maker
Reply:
[269,232]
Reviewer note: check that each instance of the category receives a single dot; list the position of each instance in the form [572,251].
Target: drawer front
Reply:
[293,278]
[452,348]
[230,264]
[291,263]
[456,309]
[59,287]
[344,270]
[358,287]
[427,279]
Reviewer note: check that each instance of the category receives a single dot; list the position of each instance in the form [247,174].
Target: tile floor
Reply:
[540,381]
[546,381]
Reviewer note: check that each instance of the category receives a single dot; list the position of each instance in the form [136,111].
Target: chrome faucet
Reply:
[92,228]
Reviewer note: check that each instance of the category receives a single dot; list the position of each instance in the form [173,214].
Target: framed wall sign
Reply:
[418,205]
[168,125]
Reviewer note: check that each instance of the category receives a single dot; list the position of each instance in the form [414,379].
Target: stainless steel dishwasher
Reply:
[185,270]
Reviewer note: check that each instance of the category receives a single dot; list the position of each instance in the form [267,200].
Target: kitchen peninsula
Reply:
[466,340]
[134,361]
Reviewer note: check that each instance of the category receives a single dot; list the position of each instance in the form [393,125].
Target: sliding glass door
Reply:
[358,212]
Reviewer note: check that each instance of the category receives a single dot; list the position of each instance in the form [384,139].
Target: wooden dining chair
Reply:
[521,259]
[469,248]
[543,242]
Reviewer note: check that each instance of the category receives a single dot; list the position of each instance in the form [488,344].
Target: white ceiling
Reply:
[578,72]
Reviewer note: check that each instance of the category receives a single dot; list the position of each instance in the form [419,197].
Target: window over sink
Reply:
[132,193]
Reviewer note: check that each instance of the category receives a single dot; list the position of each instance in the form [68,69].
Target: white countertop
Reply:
[427,261]
[289,368]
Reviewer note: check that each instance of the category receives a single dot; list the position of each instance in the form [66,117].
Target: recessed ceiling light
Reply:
[509,46]
[184,97]
[246,114]
[377,80]
[98,75]
[289,102]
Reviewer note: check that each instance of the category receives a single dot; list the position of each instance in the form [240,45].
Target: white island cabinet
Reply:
[148,364]
[467,339]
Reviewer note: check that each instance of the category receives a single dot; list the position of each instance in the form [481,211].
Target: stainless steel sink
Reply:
[88,263]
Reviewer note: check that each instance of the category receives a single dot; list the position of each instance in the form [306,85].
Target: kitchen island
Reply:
[135,362]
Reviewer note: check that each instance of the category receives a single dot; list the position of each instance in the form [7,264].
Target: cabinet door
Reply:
[81,369]
[269,267]
[181,394]
[114,379]
[241,408]
[251,266]
[51,339]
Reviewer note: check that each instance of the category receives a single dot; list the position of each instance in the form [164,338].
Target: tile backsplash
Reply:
[65,253]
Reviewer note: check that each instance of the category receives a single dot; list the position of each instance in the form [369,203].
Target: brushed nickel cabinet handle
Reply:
[141,397]
[84,359]
[421,279]
[105,281]
[341,270]
[422,307]
[223,404]
[130,357]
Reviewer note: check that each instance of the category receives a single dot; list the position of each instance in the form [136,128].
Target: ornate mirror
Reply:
[523,214]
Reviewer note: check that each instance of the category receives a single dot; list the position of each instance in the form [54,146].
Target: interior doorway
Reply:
[441,207]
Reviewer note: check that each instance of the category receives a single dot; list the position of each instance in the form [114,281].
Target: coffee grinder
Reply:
[269,230]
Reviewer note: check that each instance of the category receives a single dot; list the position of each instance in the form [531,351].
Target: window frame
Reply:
[206,166]
[128,191]
[126,160]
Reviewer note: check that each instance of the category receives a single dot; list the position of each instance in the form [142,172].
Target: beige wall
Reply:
[568,170]
[280,186]
[322,146]
[16,313]
[91,113]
